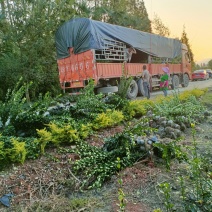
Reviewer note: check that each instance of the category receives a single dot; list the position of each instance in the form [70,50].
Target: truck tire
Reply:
[140,87]
[105,90]
[185,80]
[175,82]
[132,91]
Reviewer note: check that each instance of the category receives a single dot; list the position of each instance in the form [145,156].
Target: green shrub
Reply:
[45,138]
[108,119]
[26,123]
[18,152]
[32,147]
[57,134]
[115,101]
[195,92]
[13,104]
[2,152]
[13,150]
[85,130]
[88,105]
[135,109]
[172,107]
[124,83]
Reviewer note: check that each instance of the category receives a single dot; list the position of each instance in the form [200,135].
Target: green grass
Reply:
[207,98]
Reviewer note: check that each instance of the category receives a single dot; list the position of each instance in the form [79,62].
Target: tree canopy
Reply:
[159,28]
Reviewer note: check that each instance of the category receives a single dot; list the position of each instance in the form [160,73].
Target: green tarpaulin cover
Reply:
[83,34]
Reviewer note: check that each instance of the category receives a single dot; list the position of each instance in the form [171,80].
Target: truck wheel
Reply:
[132,91]
[175,82]
[111,89]
[185,80]
[140,87]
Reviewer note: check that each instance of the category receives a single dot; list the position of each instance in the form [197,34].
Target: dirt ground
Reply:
[48,184]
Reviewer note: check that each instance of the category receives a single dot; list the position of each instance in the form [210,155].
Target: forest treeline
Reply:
[27,36]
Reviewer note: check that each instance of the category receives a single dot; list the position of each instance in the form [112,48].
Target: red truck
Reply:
[89,49]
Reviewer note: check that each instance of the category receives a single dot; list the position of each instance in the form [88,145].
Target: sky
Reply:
[195,15]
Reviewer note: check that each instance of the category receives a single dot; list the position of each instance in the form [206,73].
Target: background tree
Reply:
[128,13]
[196,66]
[27,43]
[185,40]
[159,28]
[210,64]
[140,20]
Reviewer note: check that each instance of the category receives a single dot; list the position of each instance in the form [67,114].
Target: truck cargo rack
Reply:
[114,50]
